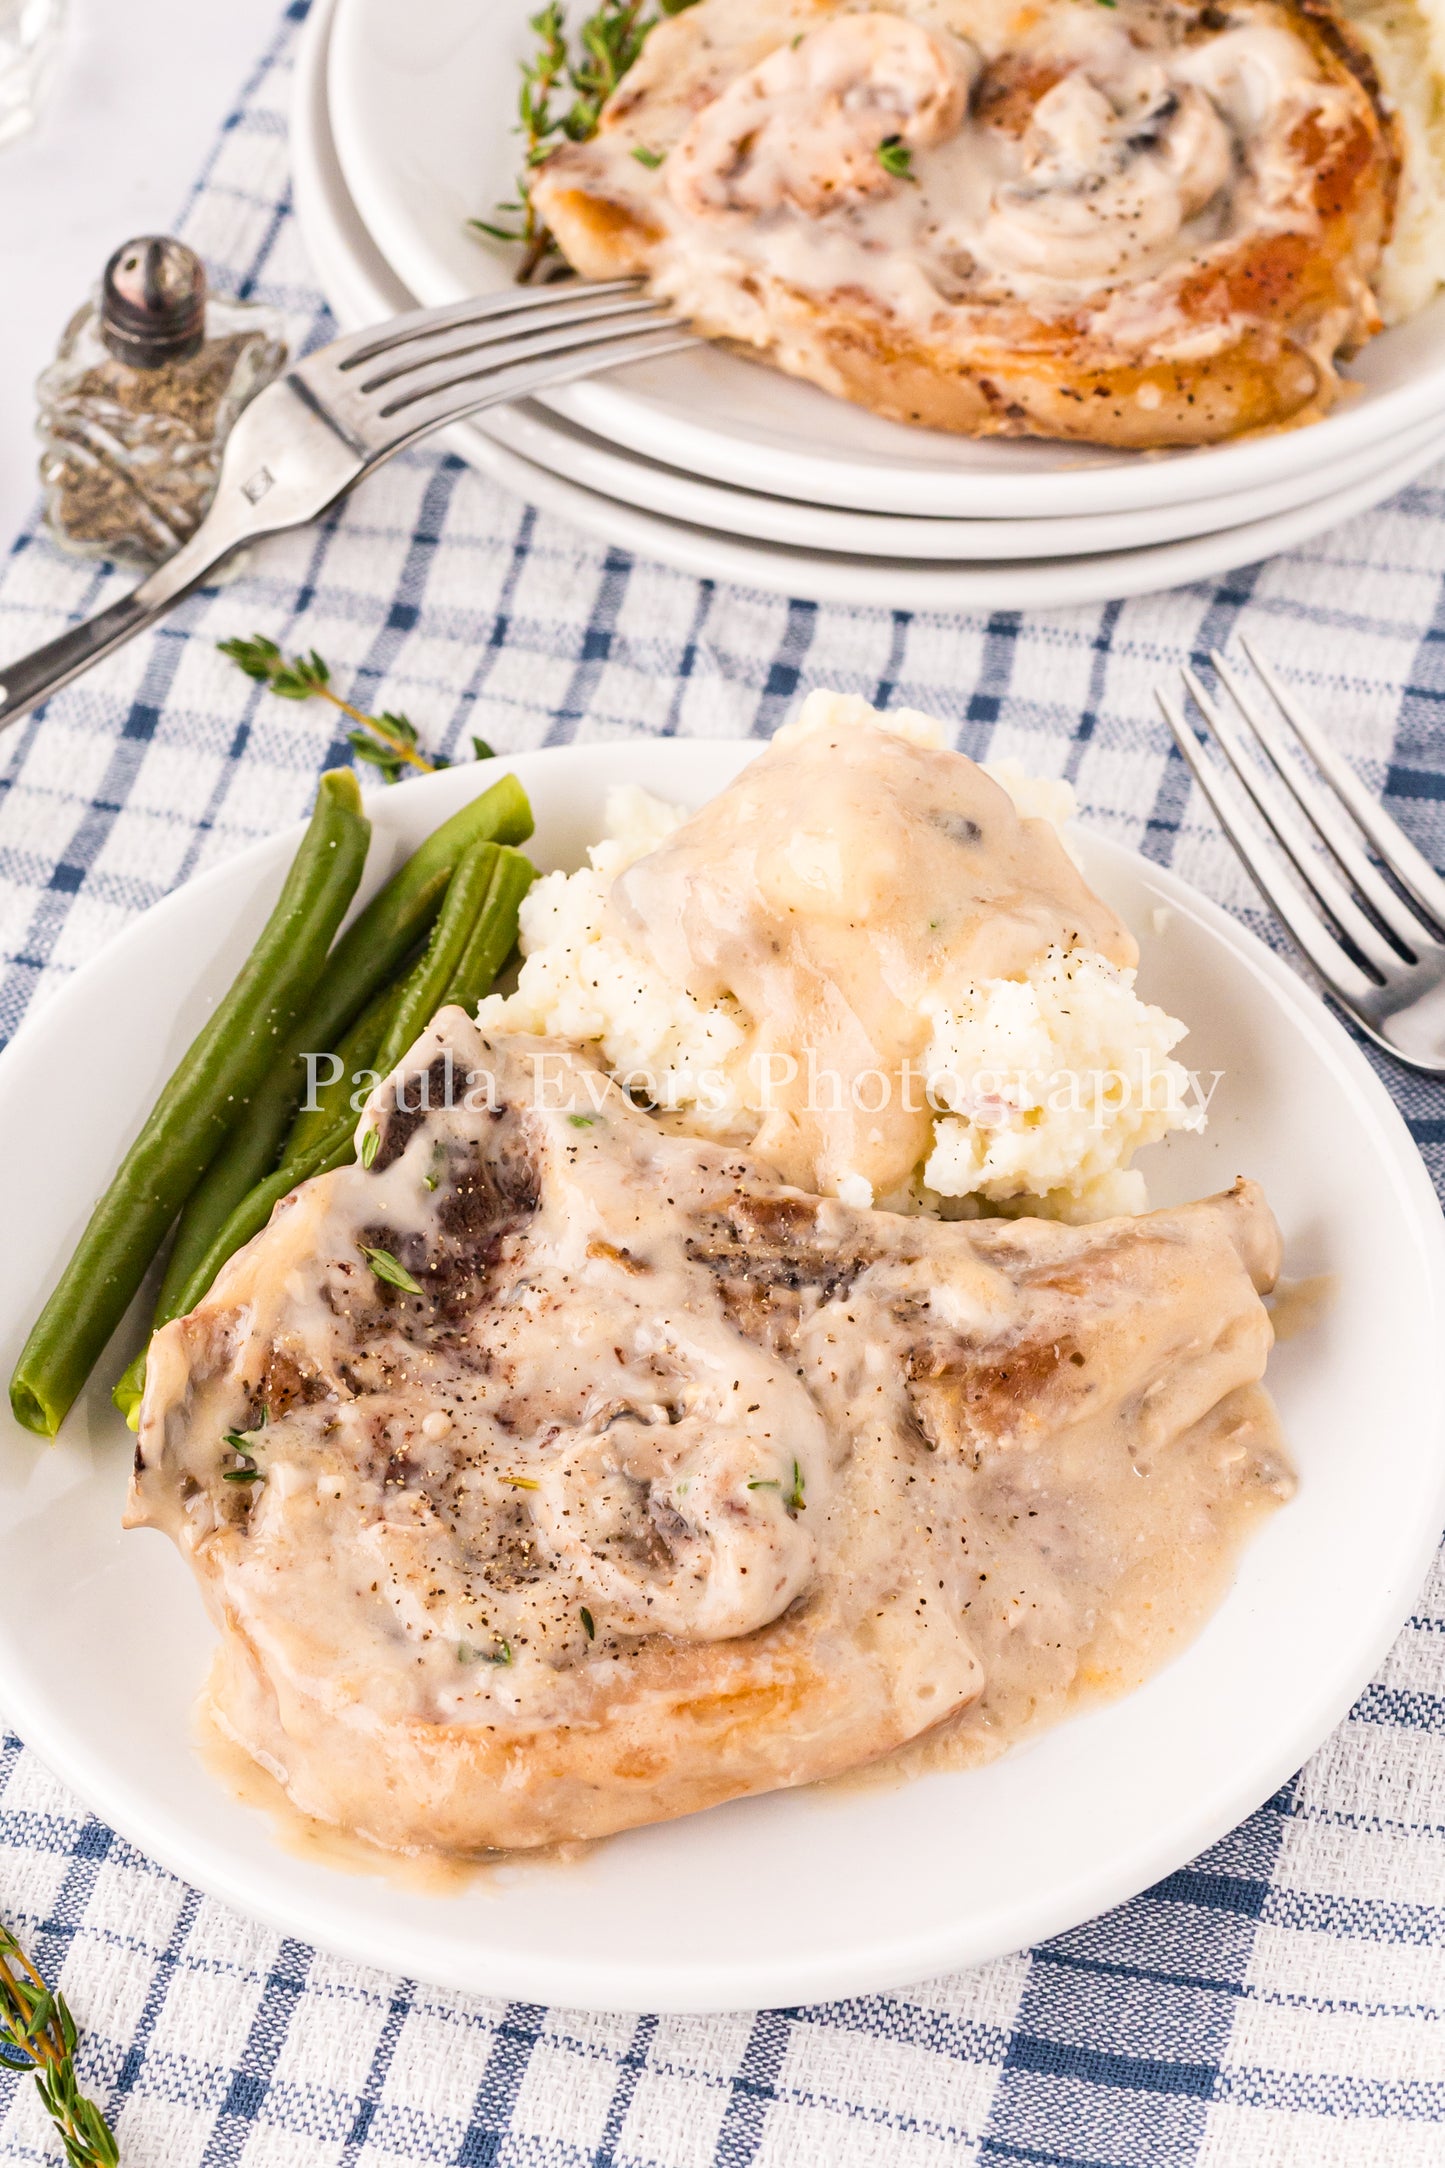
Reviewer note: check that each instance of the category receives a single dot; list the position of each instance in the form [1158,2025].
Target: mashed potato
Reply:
[1406,41]
[1040,1084]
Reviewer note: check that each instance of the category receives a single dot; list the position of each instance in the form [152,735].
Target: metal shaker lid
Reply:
[153,302]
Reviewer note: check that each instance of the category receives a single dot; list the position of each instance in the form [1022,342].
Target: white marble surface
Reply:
[139,93]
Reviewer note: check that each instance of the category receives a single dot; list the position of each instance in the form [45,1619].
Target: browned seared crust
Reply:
[688,1728]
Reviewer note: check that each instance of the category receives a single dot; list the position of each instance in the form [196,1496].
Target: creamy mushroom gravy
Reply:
[635,1481]
[846,878]
[1043,155]
[1296,1306]
[1136,1557]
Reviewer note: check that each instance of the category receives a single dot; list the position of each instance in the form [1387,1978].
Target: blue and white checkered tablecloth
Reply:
[1278,2004]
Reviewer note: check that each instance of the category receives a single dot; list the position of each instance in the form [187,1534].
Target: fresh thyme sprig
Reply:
[386,742]
[565,85]
[543,77]
[37,2032]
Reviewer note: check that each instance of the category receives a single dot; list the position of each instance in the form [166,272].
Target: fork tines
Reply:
[386,384]
[1364,905]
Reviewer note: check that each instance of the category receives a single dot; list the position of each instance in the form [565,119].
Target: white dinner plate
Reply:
[423,107]
[551,440]
[335,232]
[799,1895]
[362,289]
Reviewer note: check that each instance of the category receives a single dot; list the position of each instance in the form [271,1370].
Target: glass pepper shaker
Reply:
[136,407]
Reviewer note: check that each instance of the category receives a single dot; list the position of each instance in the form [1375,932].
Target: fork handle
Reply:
[24,684]
[34,677]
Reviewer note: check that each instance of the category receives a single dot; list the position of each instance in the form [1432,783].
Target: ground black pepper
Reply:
[137,405]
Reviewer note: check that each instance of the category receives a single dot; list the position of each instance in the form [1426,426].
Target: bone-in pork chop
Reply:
[552,1474]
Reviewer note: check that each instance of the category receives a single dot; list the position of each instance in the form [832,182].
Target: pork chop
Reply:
[551,1474]
[1141,223]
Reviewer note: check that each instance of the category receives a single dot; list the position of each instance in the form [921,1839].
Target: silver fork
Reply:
[1378,943]
[333,418]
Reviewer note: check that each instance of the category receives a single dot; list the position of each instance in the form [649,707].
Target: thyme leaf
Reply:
[896,158]
[501,1654]
[388,1268]
[239,1442]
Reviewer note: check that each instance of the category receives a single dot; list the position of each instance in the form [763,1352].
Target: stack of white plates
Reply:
[402,131]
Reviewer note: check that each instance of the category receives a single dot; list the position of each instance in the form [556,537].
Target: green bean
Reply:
[419,996]
[471,941]
[495,933]
[411,1008]
[247,1216]
[478,878]
[249,1154]
[373,949]
[490,942]
[426,988]
[355,1056]
[128,1391]
[223,1065]
[366,958]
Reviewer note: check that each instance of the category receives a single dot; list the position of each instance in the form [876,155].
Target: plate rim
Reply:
[596,466]
[607,408]
[924,1953]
